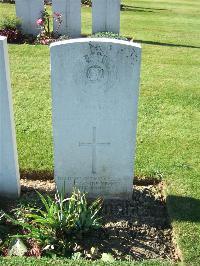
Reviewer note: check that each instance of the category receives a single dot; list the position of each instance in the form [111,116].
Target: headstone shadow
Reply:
[139,227]
[141,9]
[36,174]
[166,44]
[146,207]
[184,208]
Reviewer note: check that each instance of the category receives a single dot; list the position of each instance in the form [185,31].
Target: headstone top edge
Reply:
[96,40]
[3,38]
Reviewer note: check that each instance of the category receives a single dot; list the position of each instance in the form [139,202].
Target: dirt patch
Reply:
[138,229]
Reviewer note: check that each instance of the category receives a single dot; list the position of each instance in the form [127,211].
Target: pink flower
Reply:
[57,14]
[40,22]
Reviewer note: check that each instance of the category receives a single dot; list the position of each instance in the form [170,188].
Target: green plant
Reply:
[10,22]
[10,27]
[46,36]
[60,221]
[108,35]
[4,231]
[8,1]
[86,2]
[3,227]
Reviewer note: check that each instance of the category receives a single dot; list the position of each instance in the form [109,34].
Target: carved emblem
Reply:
[95,70]
[95,73]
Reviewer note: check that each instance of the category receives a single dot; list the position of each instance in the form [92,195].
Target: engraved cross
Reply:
[94,145]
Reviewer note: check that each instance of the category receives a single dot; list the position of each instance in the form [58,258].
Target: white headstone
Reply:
[9,170]
[71,17]
[29,11]
[95,85]
[106,16]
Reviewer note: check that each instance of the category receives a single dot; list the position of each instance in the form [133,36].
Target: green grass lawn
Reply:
[168,139]
[52,262]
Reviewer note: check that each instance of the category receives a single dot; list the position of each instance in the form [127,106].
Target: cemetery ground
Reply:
[168,130]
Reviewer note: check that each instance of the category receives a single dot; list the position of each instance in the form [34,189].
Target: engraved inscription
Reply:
[94,145]
[93,184]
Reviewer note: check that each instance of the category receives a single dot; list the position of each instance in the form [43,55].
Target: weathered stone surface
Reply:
[29,11]
[95,95]
[9,171]
[17,248]
[71,17]
[106,16]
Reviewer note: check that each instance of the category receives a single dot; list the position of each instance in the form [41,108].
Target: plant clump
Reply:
[10,27]
[110,35]
[46,36]
[55,228]
[86,2]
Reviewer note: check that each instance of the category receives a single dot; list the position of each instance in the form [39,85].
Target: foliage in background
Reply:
[87,2]
[58,225]
[11,28]
[8,1]
[10,22]
[108,35]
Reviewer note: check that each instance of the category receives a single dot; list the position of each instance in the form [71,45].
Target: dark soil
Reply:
[138,229]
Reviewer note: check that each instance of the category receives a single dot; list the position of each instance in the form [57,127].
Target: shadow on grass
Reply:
[184,208]
[140,9]
[166,44]
[36,175]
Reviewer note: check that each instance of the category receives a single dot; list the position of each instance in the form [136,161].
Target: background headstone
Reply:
[29,11]
[95,86]
[9,170]
[106,16]
[71,17]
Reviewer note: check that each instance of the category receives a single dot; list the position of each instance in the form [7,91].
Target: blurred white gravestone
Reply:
[106,16]
[95,84]
[29,11]
[71,17]
[9,170]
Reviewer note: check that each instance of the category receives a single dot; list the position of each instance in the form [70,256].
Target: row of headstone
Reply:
[71,17]
[105,16]
[29,11]
[9,170]
[95,84]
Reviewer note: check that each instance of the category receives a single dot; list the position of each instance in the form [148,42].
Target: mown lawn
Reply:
[168,140]
[53,262]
